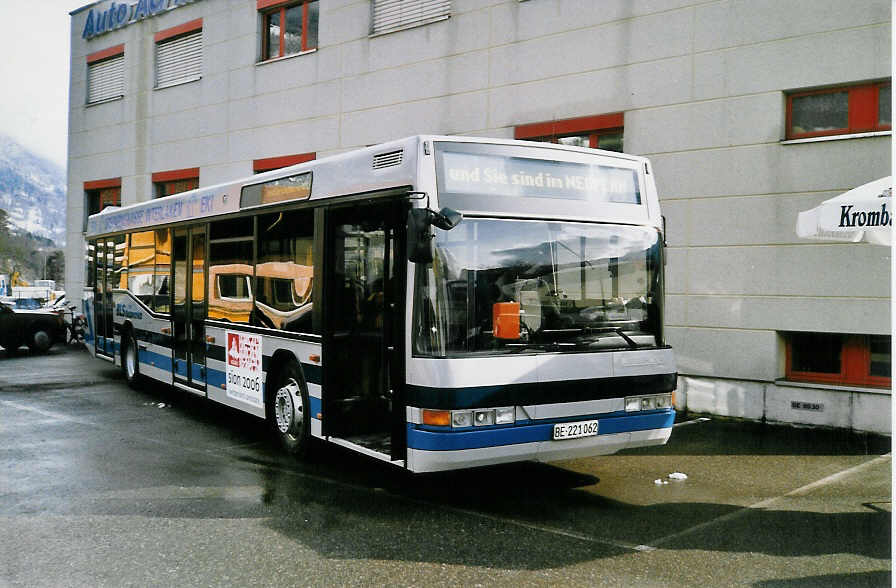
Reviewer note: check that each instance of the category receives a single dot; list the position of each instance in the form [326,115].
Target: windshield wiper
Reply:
[553,346]
[618,330]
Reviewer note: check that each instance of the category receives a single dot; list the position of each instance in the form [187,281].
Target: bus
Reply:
[435,302]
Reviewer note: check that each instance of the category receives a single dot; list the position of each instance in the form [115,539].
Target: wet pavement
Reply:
[104,486]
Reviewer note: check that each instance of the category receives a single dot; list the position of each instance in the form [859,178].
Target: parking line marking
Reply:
[56,416]
[770,501]
[542,528]
[692,422]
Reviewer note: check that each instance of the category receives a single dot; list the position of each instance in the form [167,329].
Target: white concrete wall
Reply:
[701,84]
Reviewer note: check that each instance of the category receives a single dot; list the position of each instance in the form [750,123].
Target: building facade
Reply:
[750,111]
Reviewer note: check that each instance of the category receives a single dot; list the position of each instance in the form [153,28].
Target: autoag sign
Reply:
[116,15]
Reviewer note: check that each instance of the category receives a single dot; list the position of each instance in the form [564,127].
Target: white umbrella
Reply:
[862,214]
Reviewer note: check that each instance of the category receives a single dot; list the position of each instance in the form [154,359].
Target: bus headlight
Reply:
[461,418]
[482,418]
[651,402]
[505,416]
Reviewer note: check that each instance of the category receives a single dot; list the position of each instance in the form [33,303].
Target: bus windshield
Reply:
[575,287]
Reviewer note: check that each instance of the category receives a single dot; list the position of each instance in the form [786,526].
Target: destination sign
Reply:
[478,173]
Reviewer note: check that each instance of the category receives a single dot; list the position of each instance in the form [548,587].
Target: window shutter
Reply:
[105,79]
[179,60]
[391,15]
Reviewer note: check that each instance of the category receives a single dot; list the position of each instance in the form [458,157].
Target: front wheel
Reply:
[289,411]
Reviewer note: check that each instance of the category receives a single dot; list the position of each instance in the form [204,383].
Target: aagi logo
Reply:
[233,349]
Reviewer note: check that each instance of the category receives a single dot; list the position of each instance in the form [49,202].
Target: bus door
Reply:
[363,371]
[189,307]
[102,299]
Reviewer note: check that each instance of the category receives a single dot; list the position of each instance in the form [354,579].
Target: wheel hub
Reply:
[288,408]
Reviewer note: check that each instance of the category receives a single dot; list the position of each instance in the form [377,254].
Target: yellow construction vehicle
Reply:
[16,279]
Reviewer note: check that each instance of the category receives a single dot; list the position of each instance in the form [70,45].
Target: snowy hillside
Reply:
[32,191]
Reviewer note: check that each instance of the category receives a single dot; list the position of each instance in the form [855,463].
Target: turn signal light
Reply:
[438,418]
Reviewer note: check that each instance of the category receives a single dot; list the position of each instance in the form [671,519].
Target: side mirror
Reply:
[419,236]
[446,219]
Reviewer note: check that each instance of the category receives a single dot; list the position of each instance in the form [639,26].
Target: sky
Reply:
[34,70]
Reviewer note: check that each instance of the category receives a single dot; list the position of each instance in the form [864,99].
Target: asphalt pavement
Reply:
[101,485]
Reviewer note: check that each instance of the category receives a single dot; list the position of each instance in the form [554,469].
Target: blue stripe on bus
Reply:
[447,441]
[316,406]
[215,377]
[157,360]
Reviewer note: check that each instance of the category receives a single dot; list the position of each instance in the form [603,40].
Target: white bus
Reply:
[434,302]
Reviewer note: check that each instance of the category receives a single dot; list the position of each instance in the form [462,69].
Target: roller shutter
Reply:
[105,79]
[179,59]
[391,15]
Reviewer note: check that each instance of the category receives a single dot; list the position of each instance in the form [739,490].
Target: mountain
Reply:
[32,192]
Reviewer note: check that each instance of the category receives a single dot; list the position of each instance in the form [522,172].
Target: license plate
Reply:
[575,430]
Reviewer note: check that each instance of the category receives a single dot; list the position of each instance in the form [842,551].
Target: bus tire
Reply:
[289,412]
[130,361]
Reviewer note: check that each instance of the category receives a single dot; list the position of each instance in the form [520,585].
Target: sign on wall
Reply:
[244,378]
[116,15]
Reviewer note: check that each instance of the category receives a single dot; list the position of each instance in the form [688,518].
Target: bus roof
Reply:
[389,165]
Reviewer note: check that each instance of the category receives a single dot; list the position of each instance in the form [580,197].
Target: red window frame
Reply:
[855,363]
[862,113]
[270,7]
[175,181]
[272,163]
[593,126]
[105,54]
[106,192]
[179,30]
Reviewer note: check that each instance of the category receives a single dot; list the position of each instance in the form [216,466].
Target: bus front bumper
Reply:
[431,451]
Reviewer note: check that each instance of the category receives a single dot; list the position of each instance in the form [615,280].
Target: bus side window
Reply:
[140,262]
[285,271]
[230,271]
[161,290]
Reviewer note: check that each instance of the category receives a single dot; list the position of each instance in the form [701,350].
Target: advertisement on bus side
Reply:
[244,376]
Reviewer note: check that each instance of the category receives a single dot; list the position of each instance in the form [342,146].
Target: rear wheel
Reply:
[289,411]
[130,363]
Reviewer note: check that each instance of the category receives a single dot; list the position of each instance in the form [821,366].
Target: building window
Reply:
[99,194]
[603,131]
[393,15]
[175,181]
[833,358]
[288,27]
[839,111]
[105,74]
[179,54]
[272,163]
